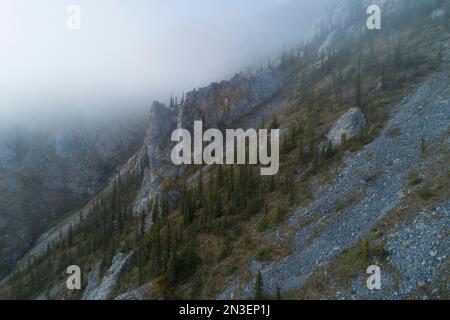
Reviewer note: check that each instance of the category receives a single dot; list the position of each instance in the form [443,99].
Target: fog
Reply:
[129,53]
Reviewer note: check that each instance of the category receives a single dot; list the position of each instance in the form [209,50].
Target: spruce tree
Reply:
[171,269]
[258,295]
[278,296]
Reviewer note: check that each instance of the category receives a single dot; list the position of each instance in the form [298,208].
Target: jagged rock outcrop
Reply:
[162,122]
[348,126]
[217,105]
[102,289]
[157,146]
[226,102]
[342,15]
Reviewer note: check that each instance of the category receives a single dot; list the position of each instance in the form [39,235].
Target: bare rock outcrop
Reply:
[102,289]
[348,126]
[217,105]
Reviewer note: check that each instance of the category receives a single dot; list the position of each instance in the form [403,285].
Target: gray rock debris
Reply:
[417,252]
[390,163]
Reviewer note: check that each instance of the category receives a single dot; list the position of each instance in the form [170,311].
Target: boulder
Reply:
[350,124]
[438,13]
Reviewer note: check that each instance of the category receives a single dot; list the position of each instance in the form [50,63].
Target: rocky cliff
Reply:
[45,172]
[218,105]
[336,207]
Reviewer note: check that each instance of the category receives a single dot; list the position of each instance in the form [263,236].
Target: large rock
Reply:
[438,13]
[349,125]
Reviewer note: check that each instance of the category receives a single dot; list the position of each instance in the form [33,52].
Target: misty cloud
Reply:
[129,53]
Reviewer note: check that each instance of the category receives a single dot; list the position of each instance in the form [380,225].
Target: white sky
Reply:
[129,52]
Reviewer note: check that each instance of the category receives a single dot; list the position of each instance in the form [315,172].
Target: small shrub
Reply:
[339,207]
[263,254]
[259,291]
[274,124]
[370,174]
[225,251]
[281,212]
[425,193]
[263,225]
[394,132]
[414,178]
[365,250]
[423,145]
[379,251]
[230,269]
[368,251]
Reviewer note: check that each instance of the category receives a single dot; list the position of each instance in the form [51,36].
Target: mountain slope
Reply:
[381,196]
[376,180]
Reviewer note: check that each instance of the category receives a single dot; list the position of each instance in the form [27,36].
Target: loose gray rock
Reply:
[391,161]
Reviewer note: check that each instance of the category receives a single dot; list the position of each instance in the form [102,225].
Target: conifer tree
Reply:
[171,269]
[278,296]
[258,294]
[155,210]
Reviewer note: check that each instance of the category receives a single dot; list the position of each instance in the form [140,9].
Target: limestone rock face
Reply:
[227,101]
[341,14]
[102,290]
[350,124]
[161,124]
[217,105]
[158,146]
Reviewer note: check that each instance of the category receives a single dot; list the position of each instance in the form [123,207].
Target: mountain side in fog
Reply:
[47,171]
[363,180]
